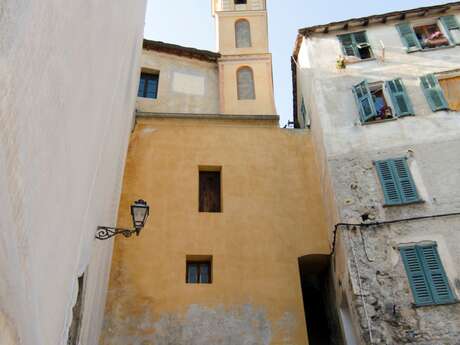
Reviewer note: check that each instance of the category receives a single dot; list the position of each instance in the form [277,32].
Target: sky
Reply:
[190,23]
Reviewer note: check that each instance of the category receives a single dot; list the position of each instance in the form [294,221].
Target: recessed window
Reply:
[430,35]
[245,83]
[356,44]
[210,191]
[148,85]
[242,34]
[451,91]
[199,270]
[382,100]
[240,2]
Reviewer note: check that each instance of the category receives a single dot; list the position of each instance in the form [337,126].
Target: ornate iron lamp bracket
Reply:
[106,232]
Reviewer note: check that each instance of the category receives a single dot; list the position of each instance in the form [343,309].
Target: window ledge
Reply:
[354,61]
[416,306]
[378,121]
[431,49]
[421,201]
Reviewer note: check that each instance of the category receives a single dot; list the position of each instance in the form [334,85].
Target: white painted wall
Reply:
[69,75]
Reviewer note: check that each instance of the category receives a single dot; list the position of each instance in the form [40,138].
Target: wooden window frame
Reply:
[202,171]
[147,76]
[199,263]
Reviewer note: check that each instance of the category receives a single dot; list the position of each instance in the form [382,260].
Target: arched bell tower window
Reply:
[242,33]
[245,83]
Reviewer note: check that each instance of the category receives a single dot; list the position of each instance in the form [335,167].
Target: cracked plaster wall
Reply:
[345,152]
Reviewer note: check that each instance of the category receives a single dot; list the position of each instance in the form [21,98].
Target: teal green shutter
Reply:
[404,181]
[387,180]
[348,45]
[433,93]
[450,23]
[417,279]
[408,36]
[396,180]
[435,274]
[364,100]
[401,102]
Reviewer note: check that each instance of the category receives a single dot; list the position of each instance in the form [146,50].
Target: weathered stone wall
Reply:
[346,151]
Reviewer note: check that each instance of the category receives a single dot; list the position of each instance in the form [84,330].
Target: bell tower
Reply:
[245,66]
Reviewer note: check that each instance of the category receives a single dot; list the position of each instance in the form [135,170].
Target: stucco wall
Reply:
[226,32]
[261,66]
[185,85]
[272,215]
[69,78]
[346,149]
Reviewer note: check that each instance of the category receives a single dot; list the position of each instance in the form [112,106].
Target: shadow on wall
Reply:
[319,300]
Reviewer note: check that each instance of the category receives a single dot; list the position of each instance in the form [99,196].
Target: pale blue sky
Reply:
[190,23]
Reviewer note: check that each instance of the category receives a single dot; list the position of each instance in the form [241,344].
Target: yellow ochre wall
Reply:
[264,103]
[226,32]
[272,215]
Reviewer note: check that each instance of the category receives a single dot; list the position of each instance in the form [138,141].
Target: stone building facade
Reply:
[230,221]
[380,95]
[69,75]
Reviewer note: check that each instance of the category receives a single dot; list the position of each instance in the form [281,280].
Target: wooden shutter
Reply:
[396,180]
[408,36]
[403,177]
[401,102]
[364,100]
[389,185]
[435,274]
[348,45]
[450,24]
[209,191]
[417,279]
[433,93]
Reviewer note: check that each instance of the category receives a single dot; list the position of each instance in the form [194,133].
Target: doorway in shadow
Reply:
[319,300]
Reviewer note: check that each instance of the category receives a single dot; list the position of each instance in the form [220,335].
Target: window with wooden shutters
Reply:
[396,181]
[245,83]
[210,191]
[452,28]
[242,34]
[408,36]
[364,100]
[399,98]
[356,44]
[427,278]
[433,93]
[425,36]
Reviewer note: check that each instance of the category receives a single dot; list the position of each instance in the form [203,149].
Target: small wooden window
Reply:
[198,272]
[148,85]
[210,191]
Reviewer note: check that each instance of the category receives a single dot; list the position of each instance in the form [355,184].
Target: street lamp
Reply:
[139,214]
